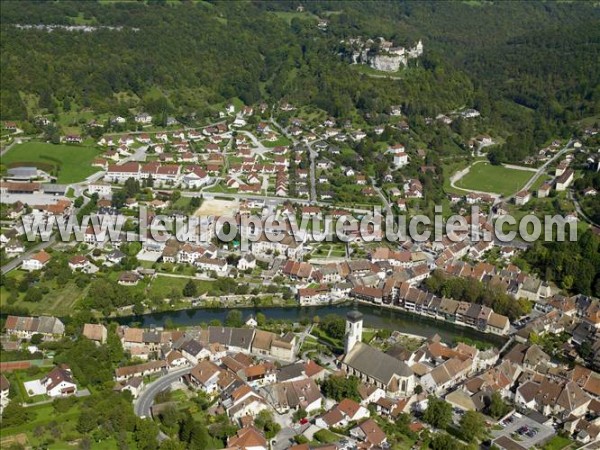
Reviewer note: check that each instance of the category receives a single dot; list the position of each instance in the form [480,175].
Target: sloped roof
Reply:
[94,331]
[247,437]
[375,363]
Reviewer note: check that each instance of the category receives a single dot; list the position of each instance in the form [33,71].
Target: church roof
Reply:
[376,364]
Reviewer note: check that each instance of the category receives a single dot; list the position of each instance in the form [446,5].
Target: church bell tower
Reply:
[354,326]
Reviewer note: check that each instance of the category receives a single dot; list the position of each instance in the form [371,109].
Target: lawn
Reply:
[557,443]
[326,436]
[281,141]
[496,179]
[71,163]
[538,183]
[162,287]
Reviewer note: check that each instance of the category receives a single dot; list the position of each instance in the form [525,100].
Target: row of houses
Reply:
[208,341]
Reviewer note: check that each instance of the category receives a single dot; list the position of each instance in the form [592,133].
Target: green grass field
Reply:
[496,179]
[72,163]
[557,443]
[60,301]
[282,140]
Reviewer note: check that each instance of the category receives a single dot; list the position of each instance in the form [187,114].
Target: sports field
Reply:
[71,163]
[496,179]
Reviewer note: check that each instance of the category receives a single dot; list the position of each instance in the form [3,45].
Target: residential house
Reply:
[59,382]
[25,327]
[564,180]
[36,262]
[95,332]
[370,434]
[140,370]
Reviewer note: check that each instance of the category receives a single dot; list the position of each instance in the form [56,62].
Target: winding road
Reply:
[141,405]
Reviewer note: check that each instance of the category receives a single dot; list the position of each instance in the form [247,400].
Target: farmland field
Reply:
[70,163]
[495,179]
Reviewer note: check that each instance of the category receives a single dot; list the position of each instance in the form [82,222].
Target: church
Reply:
[371,365]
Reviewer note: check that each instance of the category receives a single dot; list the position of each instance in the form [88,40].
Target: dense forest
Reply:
[531,77]
[574,266]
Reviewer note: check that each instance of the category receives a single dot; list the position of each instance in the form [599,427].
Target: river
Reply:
[374,317]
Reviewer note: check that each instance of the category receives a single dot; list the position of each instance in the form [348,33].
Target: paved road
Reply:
[543,168]
[16,262]
[313,176]
[388,208]
[141,405]
[312,154]
[17,140]
[579,209]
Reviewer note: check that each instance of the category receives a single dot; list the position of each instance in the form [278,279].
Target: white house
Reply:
[143,118]
[36,262]
[134,385]
[247,261]
[194,351]
[251,322]
[400,156]
[102,189]
[196,178]
[176,359]
[59,382]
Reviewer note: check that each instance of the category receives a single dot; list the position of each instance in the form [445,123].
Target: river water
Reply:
[374,317]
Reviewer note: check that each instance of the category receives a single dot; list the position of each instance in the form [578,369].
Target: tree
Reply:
[88,421]
[261,319]
[118,199]
[169,416]
[34,295]
[299,415]
[170,444]
[334,326]
[190,289]
[472,425]
[131,187]
[36,339]
[234,318]
[443,441]
[497,407]
[146,431]
[438,412]
[339,388]
[14,415]
[264,421]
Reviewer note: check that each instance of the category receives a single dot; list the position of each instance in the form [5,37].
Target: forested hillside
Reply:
[531,68]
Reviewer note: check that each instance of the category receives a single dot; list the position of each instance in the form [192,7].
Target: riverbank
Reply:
[374,317]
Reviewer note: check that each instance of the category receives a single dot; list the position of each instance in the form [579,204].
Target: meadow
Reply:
[70,163]
[495,179]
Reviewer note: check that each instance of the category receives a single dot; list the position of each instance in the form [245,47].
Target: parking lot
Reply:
[525,431]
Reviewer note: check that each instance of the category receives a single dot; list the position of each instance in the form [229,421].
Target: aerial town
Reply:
[180,269]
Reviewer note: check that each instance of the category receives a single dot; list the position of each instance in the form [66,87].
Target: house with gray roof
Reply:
[241,339]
